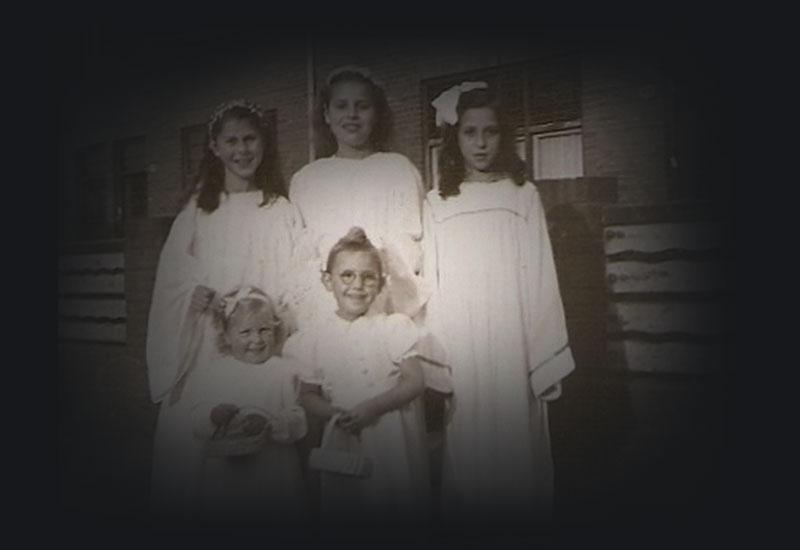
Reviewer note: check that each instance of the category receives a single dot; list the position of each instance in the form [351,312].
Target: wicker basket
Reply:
[232,441]
[331,457]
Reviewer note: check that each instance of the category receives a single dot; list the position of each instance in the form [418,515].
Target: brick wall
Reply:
[143,245]
[624,127]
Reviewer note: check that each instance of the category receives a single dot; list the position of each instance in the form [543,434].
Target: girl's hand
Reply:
[223,413]
[358,418]
[201,299]
[253,424]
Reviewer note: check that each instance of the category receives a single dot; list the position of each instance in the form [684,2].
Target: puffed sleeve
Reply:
[168,336]
[549,355]
[401,336]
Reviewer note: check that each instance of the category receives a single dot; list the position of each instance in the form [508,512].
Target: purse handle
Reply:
[326,434]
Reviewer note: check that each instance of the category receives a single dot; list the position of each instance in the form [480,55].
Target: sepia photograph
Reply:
[392,284]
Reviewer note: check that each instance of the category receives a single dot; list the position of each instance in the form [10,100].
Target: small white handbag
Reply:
[332,457]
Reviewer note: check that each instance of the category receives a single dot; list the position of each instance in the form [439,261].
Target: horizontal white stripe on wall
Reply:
[657,237]
[707,318]
[669,276]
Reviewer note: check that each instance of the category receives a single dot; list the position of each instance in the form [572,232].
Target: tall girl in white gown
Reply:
[236,228]
[357,182]
[497,307]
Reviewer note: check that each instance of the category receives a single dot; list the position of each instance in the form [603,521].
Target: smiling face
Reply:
[479,139]
[251,331]
[351,116]
[240,147]
[355,280]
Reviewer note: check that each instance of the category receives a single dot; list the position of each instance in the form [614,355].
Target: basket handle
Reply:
[329,427]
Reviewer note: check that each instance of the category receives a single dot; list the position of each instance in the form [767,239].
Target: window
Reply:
[542,95]
[557,154]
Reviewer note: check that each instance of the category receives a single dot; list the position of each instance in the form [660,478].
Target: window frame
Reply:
[538,133]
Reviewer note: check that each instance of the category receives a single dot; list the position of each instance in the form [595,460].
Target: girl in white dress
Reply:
[357,182]
[497,309]
[236,228]
[364,368]
[245,412]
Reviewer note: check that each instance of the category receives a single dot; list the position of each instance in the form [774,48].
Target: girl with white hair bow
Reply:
[236,227]
[246,415]
[497,308]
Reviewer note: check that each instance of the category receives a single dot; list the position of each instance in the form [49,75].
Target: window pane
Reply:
[433,163]
[558,155]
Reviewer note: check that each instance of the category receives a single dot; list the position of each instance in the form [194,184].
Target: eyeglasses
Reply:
[368,278]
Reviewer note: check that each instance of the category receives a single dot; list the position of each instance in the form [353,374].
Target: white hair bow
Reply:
[243,292]
[446,102]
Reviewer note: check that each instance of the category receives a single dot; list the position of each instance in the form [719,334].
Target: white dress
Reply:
[352,362]
[497,309]
[239,243]
[267,486]
[382,194]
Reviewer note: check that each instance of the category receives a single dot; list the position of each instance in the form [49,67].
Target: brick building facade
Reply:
[629,103]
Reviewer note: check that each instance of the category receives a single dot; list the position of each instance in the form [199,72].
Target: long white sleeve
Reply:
[176,277]
[549,356]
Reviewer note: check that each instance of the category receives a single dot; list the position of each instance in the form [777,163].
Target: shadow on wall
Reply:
[593,420]
[629,445]
[105,434]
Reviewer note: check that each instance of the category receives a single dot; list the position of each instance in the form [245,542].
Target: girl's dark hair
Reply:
[451,161]
[210,179]
[324,140]
[355,241]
